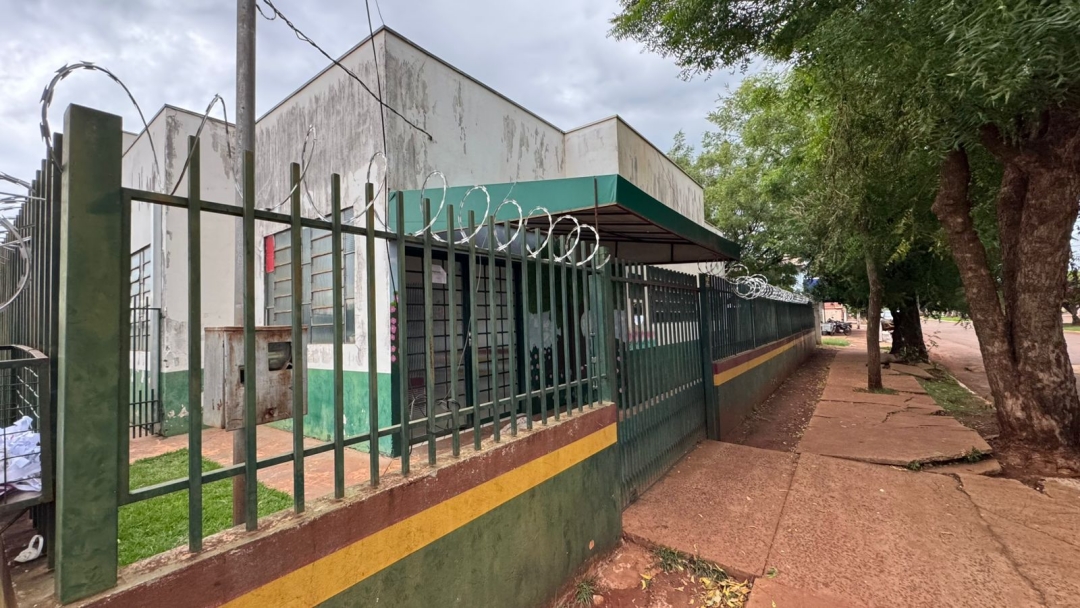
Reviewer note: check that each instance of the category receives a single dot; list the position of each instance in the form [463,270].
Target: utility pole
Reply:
[245,135]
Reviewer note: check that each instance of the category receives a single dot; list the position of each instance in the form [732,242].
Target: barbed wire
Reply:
[749,286]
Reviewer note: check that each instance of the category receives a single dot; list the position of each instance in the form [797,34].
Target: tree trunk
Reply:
[1019,330]
[908,343]
[1073,312]
[873,323]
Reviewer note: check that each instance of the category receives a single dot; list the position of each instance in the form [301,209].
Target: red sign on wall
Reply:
[268,253]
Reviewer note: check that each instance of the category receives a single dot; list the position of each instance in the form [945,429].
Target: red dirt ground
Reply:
[779,422]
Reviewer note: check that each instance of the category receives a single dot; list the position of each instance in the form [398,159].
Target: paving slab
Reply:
[904,384]
[896,437]
[840,393]
[721,502]
[885,537]
[1041,532]
[768,593]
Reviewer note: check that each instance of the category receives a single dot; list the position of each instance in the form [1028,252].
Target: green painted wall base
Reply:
[518,555]
[319,421]
[736,398]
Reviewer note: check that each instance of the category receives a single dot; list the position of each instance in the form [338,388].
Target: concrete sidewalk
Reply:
[817,530]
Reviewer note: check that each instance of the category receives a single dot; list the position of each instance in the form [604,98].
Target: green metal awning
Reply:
[633,225]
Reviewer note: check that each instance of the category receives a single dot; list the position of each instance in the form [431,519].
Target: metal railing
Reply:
[738,324]
[26,429]
[543,282]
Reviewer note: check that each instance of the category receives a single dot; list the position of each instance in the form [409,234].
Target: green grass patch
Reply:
[159,524]
[835,342]
[952,397]
[952,319]
[585,590]
[1070,327]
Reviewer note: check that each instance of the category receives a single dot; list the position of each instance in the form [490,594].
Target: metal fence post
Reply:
[94,259]
[712,406]
[606,338]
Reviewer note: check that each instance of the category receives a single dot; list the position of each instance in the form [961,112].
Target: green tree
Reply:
[963,80]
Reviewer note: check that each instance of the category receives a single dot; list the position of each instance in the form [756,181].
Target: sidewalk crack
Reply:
[1001,543]
[783,508]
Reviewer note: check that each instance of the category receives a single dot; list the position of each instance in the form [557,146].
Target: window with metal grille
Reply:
[316,305]
[141,277]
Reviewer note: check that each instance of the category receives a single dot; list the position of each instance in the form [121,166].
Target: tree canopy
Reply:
[967,110]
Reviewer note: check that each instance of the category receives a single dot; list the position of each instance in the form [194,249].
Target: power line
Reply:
[304,37]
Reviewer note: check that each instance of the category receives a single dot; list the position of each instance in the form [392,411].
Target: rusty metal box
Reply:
[276,360]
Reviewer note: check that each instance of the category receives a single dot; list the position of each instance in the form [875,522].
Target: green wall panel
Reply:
[319,421]
[736,398]
[518,555]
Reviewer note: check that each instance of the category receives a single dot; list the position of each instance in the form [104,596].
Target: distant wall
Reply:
[743,381]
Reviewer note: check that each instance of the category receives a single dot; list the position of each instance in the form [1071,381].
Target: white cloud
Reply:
[554,58]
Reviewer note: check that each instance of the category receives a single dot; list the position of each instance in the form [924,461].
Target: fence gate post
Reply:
[94,261]
[712,411]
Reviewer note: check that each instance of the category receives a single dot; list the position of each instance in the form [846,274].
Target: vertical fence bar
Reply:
[526,349]
[511,347]
[474,374]
[552,306]
[339,335]
[429,340]
[251,482]
[92,354]
[565,271]
[586,304]
[451,290]
[299,352]
[194,321]
[373,344]
[493,334]
[405,403]
[540,363]
[575,276]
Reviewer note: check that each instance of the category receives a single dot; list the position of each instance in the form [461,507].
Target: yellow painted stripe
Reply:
[337,572]
[726,375]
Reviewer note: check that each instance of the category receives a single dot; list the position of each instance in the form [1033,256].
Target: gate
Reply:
[660,383]
[147,413]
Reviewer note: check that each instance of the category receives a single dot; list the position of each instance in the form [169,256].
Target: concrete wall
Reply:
[743,381]
[649,169]
[593,149]
[480,137]
[503,527]
[164,229]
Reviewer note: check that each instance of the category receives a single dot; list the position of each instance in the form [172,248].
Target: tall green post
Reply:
[606,329]
[712,405]
[92,353]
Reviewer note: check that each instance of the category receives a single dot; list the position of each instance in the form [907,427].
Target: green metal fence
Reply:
[662,392]
[669,328]
[513,339]
[551,373]
[28,342]
[737,324]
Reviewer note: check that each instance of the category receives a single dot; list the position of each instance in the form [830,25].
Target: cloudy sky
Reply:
[552,57]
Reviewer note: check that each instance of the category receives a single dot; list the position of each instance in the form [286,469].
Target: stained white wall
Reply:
[170,129]
[649,169]
[593,149]
[480,137]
